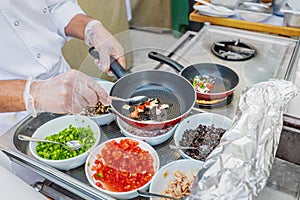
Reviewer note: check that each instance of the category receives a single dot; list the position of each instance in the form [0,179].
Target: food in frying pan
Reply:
[204,84]
[150,110]
[205,138]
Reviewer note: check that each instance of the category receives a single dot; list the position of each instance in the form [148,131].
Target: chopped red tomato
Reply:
[210,86]
[124,166]
[135,113]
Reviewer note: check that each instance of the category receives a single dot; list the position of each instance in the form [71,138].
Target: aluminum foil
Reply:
[238,168]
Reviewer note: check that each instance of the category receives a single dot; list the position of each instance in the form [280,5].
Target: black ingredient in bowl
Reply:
[205,138]
[100,109]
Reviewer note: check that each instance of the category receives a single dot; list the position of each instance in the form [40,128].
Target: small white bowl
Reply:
[161,179]
[159,137]
[55,126]
[105,119]
[192,122]
[119,195]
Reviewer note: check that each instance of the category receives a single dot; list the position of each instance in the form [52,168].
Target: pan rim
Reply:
[156,123]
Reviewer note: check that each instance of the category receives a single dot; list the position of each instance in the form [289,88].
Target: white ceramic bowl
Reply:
[192,122]
[55,126]
[119,195]
[160,181]
[105,119]
[159,138]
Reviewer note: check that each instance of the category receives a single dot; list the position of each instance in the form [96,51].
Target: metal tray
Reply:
[74,178]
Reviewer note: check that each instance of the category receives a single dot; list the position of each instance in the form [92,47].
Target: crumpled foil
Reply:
[238,168]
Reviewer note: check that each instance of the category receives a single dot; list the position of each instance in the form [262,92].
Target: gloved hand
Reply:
[106,45]
[66,93]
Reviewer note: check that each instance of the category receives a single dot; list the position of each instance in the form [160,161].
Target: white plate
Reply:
[206,10]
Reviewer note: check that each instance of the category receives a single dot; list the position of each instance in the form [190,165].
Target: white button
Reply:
[45,10]
[17,23]
[38,55]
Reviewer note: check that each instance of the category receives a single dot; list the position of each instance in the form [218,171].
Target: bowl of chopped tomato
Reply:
[121,166]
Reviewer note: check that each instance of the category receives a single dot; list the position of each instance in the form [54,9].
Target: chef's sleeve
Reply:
[62,12]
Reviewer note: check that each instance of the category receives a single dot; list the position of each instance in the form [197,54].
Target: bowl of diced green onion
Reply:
[64,129]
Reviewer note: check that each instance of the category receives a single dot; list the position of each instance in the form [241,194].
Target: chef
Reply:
[34,76]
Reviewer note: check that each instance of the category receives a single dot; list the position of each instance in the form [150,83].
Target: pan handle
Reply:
[115,67]
[166,60]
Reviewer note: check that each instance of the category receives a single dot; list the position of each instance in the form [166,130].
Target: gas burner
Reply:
[233,50]
[214,103]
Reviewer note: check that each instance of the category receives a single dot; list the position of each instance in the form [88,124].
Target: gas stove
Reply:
[275,57]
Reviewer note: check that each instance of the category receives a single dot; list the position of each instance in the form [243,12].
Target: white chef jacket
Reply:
[31,37]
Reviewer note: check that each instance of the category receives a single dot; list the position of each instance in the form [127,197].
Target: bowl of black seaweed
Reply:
[202,131]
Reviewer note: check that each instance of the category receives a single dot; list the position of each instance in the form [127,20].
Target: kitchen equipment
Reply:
[73,144]
[132,100]
[291,17]
[226,80]
[233,50]
[253,12]
[168,87]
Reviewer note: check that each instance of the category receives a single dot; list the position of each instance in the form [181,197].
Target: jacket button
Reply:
[17,23]
[45,10]
[38,55]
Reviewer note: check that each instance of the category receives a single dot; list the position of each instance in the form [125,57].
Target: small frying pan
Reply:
[168,87]
[226,80]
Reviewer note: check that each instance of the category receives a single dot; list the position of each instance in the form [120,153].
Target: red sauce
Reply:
[123,166]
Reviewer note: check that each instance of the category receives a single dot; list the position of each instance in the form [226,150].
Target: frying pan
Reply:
[168,87]
[226,80]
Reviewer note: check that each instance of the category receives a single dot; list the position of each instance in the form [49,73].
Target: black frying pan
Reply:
[168,87]
[226,80]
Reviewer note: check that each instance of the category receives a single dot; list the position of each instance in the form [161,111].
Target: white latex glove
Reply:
[66,93]
[106,45]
